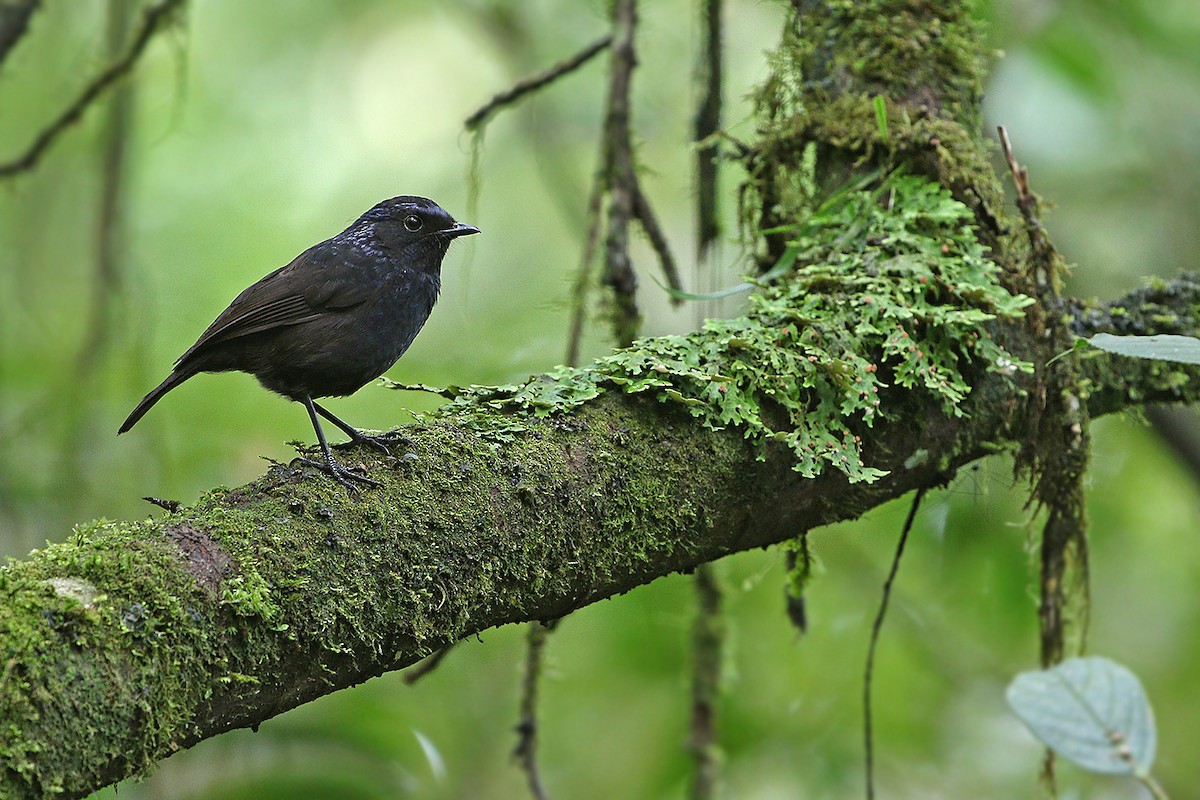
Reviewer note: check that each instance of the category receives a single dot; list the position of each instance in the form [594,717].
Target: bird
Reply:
[336,317]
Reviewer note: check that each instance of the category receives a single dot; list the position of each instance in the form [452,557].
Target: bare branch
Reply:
[533,83]
[107,280]
[152,20]
[1029,204]
[583,275]
[658,240]
[707,124]
[526,749]
[708,636]
[618,268]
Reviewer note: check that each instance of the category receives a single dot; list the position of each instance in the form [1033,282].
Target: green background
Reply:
[261,128]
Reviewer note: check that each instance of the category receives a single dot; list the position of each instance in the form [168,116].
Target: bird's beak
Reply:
[459,229]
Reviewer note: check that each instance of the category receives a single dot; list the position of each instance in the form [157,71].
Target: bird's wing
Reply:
[316,282]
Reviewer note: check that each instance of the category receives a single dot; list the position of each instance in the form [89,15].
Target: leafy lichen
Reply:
[883,285]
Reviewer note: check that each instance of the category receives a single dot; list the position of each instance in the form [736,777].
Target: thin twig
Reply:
[658,241]
[449,392]
[526,750]
[554,164]
[707,124]
[876,627]
[534,82]
[151,21]
[707,637]
[1027,202]
[618,268]
[415,673]
[106,285]
[583,276]
[1020,174]
[1057,448]
[14,24]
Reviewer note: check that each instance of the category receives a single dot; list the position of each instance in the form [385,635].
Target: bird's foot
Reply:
[346,476]
[379,441]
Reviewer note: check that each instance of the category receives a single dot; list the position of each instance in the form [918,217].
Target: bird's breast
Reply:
[394,318]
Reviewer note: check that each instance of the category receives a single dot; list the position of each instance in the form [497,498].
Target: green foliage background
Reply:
[263,127]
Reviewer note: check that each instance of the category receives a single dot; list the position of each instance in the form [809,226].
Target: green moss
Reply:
[923,55]
[249,596]
[126,638]
[820,106]
[119,602]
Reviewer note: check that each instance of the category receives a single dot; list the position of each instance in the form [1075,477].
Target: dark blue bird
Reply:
[334,319]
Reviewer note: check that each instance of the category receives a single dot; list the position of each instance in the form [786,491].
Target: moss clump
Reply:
[923,55]
[105,638]
[861,84]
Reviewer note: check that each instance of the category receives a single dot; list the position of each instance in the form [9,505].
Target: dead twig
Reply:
[583,277]
[415,673]
[535,82]
[1028,203]
[658,241]
[152,20]
[876,627]
[618,267]
[526,749]
[707,638]
[707,125]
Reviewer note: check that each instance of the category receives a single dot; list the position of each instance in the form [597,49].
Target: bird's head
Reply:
[415,225]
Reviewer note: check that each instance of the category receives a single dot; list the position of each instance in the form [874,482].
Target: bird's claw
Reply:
[343,475]
[380,441]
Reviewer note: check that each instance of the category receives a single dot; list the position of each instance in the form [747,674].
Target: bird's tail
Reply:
[174,379]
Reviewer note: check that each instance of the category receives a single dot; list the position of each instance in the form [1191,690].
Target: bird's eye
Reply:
[413,223]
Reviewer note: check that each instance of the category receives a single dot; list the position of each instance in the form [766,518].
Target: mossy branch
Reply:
[129,641]
[887,347]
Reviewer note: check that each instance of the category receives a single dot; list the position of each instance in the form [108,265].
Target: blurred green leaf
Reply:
[1077,57]
[1164,347]
[1170,32]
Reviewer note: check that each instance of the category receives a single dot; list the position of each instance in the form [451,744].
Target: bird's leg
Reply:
[380,441]
[340,474]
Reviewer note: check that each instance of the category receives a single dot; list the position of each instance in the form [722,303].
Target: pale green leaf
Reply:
[1164,347]
[1092,711]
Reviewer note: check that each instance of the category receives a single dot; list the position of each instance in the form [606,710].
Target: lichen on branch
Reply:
[883,286]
